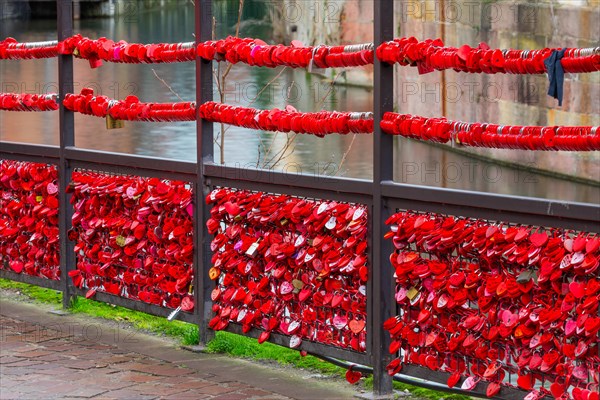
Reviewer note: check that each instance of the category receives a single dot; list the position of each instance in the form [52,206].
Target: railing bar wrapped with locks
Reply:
[428,55]
[320,124]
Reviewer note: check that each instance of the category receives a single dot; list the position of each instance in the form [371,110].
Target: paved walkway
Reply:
[46,356]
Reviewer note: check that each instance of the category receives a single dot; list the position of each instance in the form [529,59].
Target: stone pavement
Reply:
[46,356]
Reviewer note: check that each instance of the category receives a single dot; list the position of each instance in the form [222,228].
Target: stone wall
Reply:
[504,99]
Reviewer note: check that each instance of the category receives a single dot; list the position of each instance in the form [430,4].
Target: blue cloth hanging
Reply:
[556,74]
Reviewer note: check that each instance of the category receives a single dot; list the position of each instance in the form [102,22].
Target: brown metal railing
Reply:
[382,196]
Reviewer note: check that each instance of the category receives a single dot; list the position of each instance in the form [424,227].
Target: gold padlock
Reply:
[120,241]
[412,292]
[298,284]
[112,123]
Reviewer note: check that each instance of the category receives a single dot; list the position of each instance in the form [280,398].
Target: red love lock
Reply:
[522,323]
[276,256]
[453,379]
[353,376]
[493,389]
[32,247]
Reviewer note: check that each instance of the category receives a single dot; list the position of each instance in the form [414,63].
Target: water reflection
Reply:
[416,162]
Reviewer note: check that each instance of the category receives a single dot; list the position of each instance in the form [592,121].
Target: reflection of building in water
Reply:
[500,98]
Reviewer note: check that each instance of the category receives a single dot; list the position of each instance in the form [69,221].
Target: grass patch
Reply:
[223,342]
[419,392]
[186,333]
[40,295]
[240,346]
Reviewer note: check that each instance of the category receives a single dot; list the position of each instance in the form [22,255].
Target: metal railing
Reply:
[382,196]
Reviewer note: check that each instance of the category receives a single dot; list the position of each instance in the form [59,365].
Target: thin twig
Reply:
[262,144]
[229,66]
[222,136]
[237,27]
[266,86]
[216,72]
[166,84]
[221,86]
[331,85]
[287,136]
[346,154]
[237,34]
[214,28]
[288,150]
[258,158]
[281,154]
[270,146]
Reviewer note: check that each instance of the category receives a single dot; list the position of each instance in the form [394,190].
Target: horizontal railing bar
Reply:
[306,193]
[150,165]
[506,393]
[352,190]
[28,158]
[426,374]
[310,347]
[30,280]
[495,215]
[30,150]
[137,305]
[123,170]
[545,212]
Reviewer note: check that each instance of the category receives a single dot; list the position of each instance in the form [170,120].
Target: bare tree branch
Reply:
[329,90]
[166,84]
[221,82]
[266,86]
[237,27]
[346,154]
[281,154]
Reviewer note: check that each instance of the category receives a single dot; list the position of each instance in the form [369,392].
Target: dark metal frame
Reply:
[382,196]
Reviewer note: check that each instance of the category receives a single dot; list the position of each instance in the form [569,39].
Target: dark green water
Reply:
[416,162]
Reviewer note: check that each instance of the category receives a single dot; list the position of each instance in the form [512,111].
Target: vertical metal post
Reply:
[64,21]
[204,147]
[382,305]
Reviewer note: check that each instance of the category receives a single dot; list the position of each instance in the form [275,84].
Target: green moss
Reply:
[187,333]
[419,392]
[240,346]
[223,342]
[40,295]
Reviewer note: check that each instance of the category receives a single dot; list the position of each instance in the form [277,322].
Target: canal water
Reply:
[416,162]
